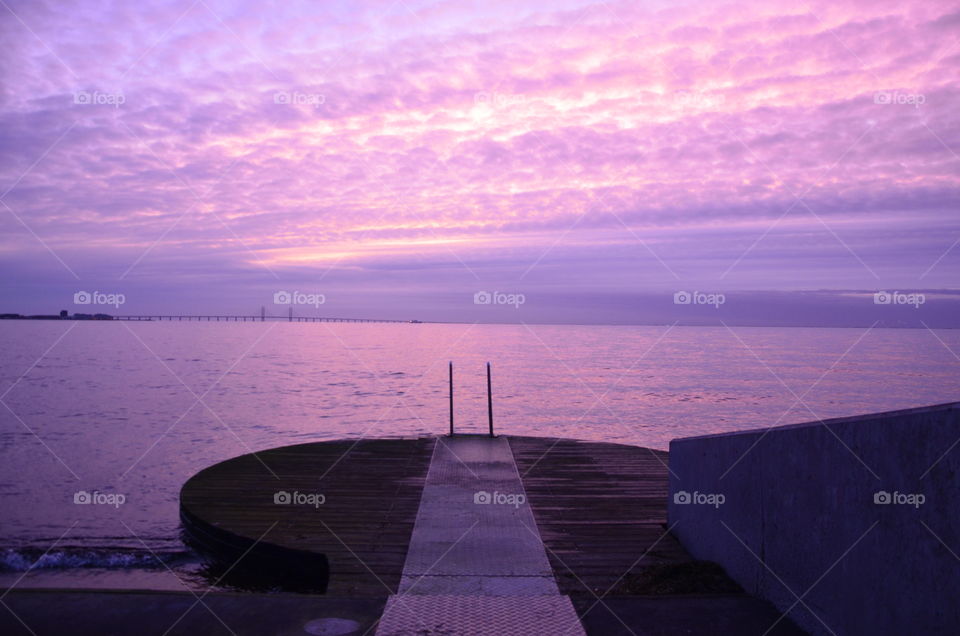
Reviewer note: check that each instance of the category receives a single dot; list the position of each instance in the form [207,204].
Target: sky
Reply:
[574,161]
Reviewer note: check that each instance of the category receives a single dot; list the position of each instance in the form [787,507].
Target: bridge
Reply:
[263,317]
[260,318]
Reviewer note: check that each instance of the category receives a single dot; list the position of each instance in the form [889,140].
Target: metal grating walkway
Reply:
[493,615]
[476,564]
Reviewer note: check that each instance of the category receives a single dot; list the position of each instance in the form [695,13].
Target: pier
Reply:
[471,534]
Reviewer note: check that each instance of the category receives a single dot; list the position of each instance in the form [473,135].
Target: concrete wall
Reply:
[793,514]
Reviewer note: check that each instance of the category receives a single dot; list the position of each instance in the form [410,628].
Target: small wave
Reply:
[23,559]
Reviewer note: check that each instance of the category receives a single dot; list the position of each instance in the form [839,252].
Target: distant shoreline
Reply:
[314,319]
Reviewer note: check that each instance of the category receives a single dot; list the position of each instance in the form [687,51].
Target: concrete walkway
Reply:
[476,564]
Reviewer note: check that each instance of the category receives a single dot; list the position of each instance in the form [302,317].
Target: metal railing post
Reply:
[489,400]
[451,399]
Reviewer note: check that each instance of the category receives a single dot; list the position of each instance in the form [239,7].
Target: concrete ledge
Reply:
[790,512]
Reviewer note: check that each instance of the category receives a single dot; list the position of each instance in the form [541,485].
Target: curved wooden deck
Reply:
[600,507]
[371,492]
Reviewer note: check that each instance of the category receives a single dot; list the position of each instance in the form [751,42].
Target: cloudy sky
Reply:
[398,157]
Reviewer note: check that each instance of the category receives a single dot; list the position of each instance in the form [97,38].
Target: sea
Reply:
[126,412]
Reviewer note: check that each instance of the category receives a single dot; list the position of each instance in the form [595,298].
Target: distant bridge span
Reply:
[242,318]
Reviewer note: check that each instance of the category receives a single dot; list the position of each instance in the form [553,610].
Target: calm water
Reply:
[136,409]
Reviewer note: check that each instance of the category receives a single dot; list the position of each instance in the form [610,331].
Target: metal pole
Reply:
[451,399]
[489,400]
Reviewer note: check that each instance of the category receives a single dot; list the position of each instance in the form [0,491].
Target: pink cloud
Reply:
[462,125]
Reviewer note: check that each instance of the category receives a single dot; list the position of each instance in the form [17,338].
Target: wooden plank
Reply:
[601,510]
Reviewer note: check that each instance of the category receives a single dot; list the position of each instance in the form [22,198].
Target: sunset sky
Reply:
[398,157]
